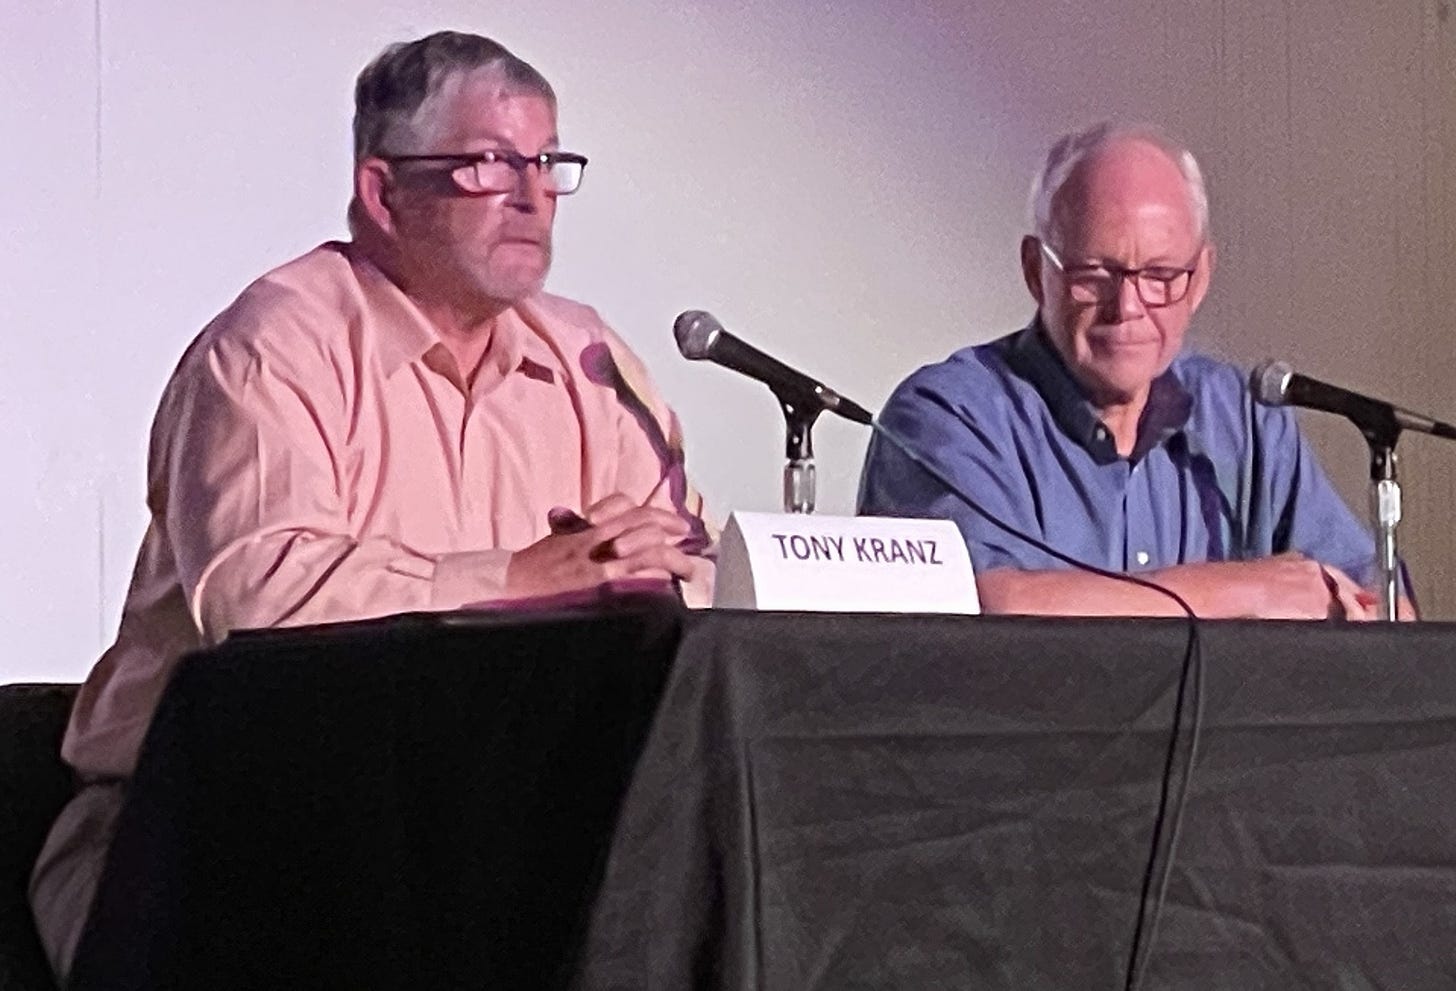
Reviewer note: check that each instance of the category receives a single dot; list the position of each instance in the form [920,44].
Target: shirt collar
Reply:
[1030,355]
[404,334]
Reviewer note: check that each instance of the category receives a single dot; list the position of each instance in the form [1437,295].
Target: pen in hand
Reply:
[563,520]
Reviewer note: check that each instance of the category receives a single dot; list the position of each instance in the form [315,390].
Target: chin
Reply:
[513,287]
[1118,387]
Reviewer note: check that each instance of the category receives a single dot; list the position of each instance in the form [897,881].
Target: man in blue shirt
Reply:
[1093,432]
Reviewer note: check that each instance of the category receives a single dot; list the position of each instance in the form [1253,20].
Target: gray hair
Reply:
[402,78]
[1071,150]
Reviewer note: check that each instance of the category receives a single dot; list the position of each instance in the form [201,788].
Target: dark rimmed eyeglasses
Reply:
[1157,285]
[499,171]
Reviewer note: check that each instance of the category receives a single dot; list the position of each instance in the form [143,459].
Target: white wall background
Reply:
[842,183]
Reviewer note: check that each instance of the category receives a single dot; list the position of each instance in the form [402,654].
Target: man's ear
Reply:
[1031,266]
[1207,260]
[372,189]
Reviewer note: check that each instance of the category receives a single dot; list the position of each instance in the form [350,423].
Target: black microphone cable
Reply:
[1169,815]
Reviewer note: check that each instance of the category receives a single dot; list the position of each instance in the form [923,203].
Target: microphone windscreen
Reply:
[1269,382]
[695,331]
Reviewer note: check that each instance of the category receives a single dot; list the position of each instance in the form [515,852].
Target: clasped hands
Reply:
[612,540]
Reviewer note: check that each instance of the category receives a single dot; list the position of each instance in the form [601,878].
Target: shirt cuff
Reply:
[468,577]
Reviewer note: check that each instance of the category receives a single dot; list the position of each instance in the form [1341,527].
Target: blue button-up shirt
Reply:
[1213,476]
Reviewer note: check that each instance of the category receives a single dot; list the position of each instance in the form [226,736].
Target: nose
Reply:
[529,194]
[1126,304]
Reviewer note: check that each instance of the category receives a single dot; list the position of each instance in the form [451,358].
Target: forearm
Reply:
[1213,590]
[294,578]
[1073,593]
[1285,586]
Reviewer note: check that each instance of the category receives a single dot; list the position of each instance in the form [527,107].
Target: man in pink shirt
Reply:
[403,422]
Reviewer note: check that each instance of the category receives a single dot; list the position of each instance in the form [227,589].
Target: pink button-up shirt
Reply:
[318,457]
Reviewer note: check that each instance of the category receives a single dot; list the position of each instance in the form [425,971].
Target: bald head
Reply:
[1126,184]
[1071,152]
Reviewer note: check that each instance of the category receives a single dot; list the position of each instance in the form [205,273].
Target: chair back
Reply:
[34,785]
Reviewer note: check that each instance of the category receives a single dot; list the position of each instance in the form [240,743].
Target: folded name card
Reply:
[779,561]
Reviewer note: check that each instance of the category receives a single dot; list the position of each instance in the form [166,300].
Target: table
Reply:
[660,800]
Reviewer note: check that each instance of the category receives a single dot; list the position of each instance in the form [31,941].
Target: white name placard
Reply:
[779,561]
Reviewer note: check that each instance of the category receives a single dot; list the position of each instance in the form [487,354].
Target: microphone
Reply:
[700,337]
[1275,383]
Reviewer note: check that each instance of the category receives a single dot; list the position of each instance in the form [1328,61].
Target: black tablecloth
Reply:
[820,802]
[424,803]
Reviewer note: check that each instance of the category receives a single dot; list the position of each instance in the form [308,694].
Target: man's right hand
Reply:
[617,539]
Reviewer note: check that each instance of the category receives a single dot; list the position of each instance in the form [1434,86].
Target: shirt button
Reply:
[1142,557]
